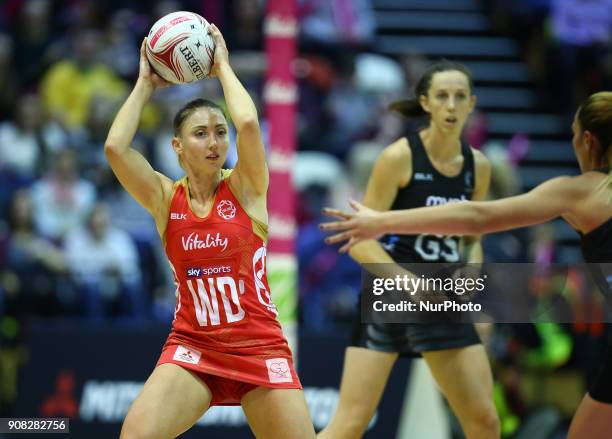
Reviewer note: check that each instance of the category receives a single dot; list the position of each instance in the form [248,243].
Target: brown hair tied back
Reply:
[595,115]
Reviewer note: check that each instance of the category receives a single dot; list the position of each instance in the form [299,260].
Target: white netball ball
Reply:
[179,47]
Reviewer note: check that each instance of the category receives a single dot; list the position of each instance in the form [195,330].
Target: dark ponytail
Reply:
[412,107]
[409,108]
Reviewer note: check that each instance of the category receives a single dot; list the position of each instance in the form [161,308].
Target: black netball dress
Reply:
[597,249]
[427,187]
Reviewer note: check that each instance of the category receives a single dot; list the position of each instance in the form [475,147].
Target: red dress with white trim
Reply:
[225,322]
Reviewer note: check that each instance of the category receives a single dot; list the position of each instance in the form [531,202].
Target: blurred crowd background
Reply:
[74,245]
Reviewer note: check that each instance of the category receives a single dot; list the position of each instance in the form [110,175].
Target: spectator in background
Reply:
[511,245]
[9,81]
[26,141]
[164,156]
[34,37]
[121,44]
[337,21]
[103,262]
[127,214]
[582,34]
[328,281]
[316,75]
[351,111]
[90,138]
[62,199]
[246,24]
[69,85]
[84,14]
[524,20]
[32,262]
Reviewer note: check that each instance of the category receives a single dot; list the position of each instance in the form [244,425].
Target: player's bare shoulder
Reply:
[254,203]
[588,202]
[592,188]
[480,160]
[161,211]
[482,164]
[576,187]
[397,159]
[398,150]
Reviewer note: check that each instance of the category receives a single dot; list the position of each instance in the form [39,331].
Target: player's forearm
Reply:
[126,122]
[452,219]
[239,104]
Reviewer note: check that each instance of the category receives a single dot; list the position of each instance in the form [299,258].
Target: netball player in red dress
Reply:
[226,346]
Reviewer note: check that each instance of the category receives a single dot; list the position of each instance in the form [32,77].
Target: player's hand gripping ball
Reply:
[179,47]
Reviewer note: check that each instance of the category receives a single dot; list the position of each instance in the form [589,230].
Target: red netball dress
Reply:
[225,325]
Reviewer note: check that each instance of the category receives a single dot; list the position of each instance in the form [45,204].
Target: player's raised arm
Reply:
[132,170]
[251,167]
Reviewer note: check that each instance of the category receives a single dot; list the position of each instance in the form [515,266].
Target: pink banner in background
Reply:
[280,98]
